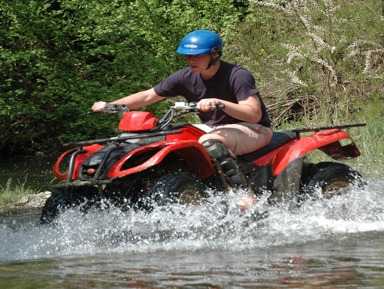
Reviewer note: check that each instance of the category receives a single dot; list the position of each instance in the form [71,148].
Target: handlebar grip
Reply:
[220,106]
[110,109]
[115,108]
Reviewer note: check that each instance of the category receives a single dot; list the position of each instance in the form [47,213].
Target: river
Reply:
[33,172]
[337,243]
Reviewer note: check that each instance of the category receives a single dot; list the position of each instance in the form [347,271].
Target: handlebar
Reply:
[186,106]
[191,106]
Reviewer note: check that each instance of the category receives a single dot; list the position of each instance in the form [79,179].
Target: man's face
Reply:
[198,63]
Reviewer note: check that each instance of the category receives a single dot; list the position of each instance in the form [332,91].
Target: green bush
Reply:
[57,57]
[314,58]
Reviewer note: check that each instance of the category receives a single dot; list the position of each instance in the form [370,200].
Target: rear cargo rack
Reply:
[317,129]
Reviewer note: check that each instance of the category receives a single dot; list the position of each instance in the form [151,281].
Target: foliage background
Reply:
[314,61]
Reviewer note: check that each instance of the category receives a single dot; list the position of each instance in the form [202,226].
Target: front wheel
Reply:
[325,180]
[64,198]
[182,188]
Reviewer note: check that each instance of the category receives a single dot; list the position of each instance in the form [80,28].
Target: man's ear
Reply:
[216,53]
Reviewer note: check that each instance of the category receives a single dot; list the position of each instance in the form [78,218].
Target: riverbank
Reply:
[28,204]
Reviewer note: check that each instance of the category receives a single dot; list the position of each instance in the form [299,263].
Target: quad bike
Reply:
[158,162]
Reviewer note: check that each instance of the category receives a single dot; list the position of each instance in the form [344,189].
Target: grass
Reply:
[369,139]
[311,59]
[320,63]
[13,192]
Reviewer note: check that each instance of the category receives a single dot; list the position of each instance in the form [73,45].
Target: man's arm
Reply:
[133,101]
[248,110]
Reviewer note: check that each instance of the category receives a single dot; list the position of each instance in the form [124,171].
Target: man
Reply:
[242,126]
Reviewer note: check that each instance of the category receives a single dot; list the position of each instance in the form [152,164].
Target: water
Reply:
[335,243]
[33,172]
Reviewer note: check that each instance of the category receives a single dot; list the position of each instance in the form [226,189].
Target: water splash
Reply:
[219,224]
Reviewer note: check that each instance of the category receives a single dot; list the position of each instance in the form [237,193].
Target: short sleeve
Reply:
[243,83]
[169,86]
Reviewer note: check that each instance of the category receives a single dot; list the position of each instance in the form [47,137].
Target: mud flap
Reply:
[287,184]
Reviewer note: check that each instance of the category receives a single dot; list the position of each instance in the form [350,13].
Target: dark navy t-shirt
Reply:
[231,82]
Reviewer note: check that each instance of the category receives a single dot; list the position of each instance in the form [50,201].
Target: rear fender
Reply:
[327,141]
[193,154]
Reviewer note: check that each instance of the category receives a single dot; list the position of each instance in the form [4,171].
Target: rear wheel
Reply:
[182,188]
[64,198]
[328,179]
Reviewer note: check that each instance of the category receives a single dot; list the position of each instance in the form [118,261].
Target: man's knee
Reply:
[234,174]
[215,149]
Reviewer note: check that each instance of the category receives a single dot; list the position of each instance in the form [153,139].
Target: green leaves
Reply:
[57,57]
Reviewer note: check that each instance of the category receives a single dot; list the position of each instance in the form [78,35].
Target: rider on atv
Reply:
[240,127]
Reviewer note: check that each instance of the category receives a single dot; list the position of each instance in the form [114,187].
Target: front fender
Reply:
[327,141]
[192,153]
[56,167]
[77,158]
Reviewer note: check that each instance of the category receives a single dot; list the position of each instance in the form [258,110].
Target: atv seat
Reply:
[278,139]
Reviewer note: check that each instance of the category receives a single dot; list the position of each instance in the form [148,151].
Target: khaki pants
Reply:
[240,138]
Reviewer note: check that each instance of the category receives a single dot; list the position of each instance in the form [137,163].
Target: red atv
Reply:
[156,161]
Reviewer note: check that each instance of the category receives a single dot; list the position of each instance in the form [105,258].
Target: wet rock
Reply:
[28,204]
[33,201]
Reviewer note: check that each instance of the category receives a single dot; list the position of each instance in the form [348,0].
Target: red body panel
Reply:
[185,145]
[189,133]
[193,153]
[282,156]
[137,121]
[79,159]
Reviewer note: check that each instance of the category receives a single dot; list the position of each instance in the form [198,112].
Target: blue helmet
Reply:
[200,42]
